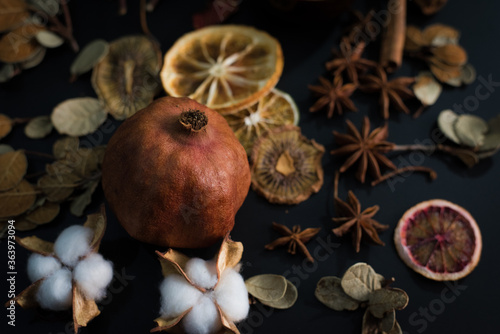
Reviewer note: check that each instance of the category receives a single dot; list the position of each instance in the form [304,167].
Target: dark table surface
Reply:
[133,303]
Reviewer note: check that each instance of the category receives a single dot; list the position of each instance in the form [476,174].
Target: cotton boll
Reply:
[55,292]
[177,296]
[40,266]
[73,243]
[232,296]
[202,273]
[93,274]
[204,318]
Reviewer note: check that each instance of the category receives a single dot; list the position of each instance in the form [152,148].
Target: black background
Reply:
[134,302]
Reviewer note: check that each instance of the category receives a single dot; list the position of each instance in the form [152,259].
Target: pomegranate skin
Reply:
[170,186]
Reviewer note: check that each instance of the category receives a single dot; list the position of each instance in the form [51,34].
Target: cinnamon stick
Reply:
[391,54]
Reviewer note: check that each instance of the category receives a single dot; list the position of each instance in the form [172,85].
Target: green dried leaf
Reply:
[84,162]
[360,280]
[370,324]
[492,137]
[286,301]
[79,204]
[13,166]
[7,72]
[470,130]
[17,200]
[386,300]
[5,149]
[78,116]
[50,7]
[388,321]
[267,287]
[58,187]
[329,292]
[38,127]
[90,55]
[44,214]
[64,146]
[49,39]
[5,125]
[446,121]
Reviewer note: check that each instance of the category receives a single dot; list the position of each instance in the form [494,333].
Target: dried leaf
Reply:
[24,225]
[84,162]
[90,55]
[36,245]
[396,329]
[470,130]
[468,75]
[288,299]
[172,262]
[97,223]
[450,54]
[426,89]
[446,123]
[469,158]
[64,146]
[492,137]
[266,287]
[4,148]
[99,152]
[12,14]
[27,298]
[58,187]
[164,324]
[78,116]
[38,127]
[44,214]
[84,309]
[360,280]
[50,7]
[229,255]
[17,200]
[370,324]
[5,125]
[13,166]
[79,204]
[388,321]
[7,72]
[49,39]
[386,300]
[228,327]
[414,39]
[35,59]
[443,75]
[330,293]
[58,167]
[440,34]
[19,45]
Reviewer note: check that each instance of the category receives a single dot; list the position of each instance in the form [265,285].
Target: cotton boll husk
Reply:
[204,318]
[73,243]
[93,274]
[40,266]
[232,296]
[202,273]
[177,296]
[55,292]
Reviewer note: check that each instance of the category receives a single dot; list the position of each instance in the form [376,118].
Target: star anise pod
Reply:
[358,222]
[391,92]
[368,148]
[295,237]
[334,94]
[350,61]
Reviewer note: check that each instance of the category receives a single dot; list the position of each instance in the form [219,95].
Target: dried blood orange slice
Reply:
[439,240]
[227,67]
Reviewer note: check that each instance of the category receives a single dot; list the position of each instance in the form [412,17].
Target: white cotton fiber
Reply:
[40,266]
[93,275]
[177,296]
[232,296]
[73,243]
[202,273]
[55,292]
[204,317]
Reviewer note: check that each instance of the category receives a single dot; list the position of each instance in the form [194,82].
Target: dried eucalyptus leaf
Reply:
[44,214]
[446,123]
[414,40]
[34,60]
[468,157]
[4,148]
[59,167]
[267,287]
[286,301]
[7,72]
[440,35]
[79,204]
[359,281]
[426,89]
[78,116]
[329,292]
[470,129]
[13,166]
[51,7]
[38,127]
[90,55]
[370,325]
[469,74]
[17,45]
[17,200]
[49,39]
[5,125]
[64,146]
[388,321]
[58,187]
[492,137]
[23,225]
[383,301]
[396,329]
[84,162]
[12,14]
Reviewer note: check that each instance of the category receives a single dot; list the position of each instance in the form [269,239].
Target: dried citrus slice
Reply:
[439,240]
[226,67]
[271,111]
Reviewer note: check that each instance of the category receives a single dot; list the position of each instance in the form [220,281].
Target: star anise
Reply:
[391,92]
[365,147]
[353,219]
[361,27]
[334,94]
[295,237]
[350,61]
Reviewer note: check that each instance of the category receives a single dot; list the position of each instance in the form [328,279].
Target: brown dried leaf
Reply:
[44,214]
[164,324]
[35,59]
[450,54]
[470,130]
[440,34]
[58,187]
[18,200]
[360,280]
[78,116]
[36,245]
[228,327]
[13,166]
[12,14]
[64,146]
[172,262]
[24,225]
[38,127]
[99,152]
[27,298]
[5,125]
[267,287]
[19,45]
[330,293]
[388,321]
[383,301]
[97,223]
[414,39]
[445,75]
[286,301]
[80,202]
[90,55]
[229,255]
[370,324]
[84,162]
[84,309]
[426,89]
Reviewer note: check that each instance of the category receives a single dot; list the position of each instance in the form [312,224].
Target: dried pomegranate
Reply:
[175,174]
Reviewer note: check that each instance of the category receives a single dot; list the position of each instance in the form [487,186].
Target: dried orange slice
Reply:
[271,111]
[226,67]
[439,240]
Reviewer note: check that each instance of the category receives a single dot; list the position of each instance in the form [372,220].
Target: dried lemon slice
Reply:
[227,67]
[271,111]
